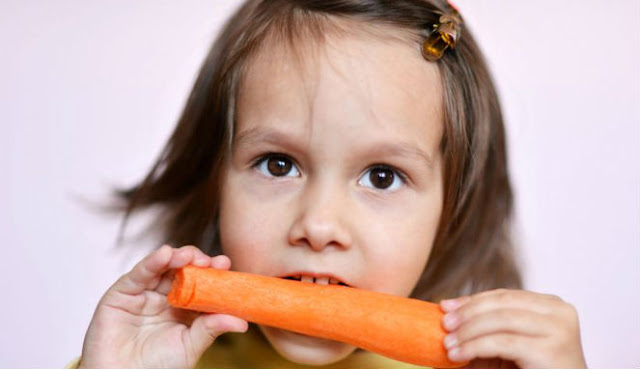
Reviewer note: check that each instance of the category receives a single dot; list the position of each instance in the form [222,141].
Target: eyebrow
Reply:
[255,136]
[258,135]
[402,150]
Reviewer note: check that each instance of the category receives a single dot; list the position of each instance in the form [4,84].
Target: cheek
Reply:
[241,234]
[250,231]
[400,260]
[403,245]
[236,242]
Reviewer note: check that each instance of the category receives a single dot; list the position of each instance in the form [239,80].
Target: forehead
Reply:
[358,79]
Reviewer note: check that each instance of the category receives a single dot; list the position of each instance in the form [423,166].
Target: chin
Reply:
[307,350]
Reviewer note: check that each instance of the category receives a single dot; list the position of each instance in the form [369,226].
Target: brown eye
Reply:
[381,178]
[277,166]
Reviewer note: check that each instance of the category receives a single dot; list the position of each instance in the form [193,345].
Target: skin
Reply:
[134,327]
[335,116]
[513,328]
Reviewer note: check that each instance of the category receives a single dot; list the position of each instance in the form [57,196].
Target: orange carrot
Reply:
[401,328]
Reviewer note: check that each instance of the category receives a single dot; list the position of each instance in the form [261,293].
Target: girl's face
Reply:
[335,172]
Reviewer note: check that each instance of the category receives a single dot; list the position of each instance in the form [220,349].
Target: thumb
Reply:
[207,327]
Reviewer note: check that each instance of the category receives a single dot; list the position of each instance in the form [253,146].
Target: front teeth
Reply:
[320,280]
[307,279]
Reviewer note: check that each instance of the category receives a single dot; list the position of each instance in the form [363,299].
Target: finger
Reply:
[503,345]
[495,363]
[453,304]
[501,291]
[146,274]
[499,299]
[221,262]
[189,255]
[207,327]
[520,322]
[218,262]
[183,316]
[166,282]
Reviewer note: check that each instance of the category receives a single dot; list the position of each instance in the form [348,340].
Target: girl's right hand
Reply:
[134,326]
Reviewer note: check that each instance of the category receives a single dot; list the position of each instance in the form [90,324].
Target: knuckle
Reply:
[509,317]
[557,346]
[466,312]
[487,293]
[501,291]
[570,331]
[465,331]
[555,298]
[505,296]
[571,310]
[507,341]
[571,316]
[566,311]
[489,346]
[189,248]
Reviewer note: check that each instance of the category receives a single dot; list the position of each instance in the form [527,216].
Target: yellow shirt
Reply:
[252,350]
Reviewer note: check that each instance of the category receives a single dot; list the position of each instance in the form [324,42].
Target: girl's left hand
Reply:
[532,330]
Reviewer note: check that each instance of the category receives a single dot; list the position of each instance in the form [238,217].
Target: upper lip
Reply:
[316,275]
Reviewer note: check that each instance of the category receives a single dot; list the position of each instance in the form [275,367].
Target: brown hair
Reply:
[472,250]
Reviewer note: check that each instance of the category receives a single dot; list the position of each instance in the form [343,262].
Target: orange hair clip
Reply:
[444,35]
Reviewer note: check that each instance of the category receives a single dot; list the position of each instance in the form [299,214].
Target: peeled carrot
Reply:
[401,328]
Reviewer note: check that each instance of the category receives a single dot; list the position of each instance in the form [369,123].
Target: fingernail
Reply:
[450,340]
[216,262]
[240,328]
[449,320]
[455,354]
[453,304]
[244,329]
[448,304]
[201,260]
[219,261]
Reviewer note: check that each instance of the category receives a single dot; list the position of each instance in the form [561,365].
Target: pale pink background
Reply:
[90,90]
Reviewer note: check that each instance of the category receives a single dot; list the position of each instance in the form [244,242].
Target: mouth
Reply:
[321,279]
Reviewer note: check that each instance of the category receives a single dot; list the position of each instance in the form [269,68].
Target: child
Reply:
[343,141]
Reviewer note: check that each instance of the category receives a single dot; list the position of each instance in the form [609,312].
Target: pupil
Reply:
[381,178]
[279,166]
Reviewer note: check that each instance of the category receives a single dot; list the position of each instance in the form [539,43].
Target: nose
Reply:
[321,219]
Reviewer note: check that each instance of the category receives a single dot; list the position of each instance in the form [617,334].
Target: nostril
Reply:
[319,228]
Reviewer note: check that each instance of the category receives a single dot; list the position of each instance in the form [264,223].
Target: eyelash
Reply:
[264,158]
[403,177]
[390,188]
[396,172]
